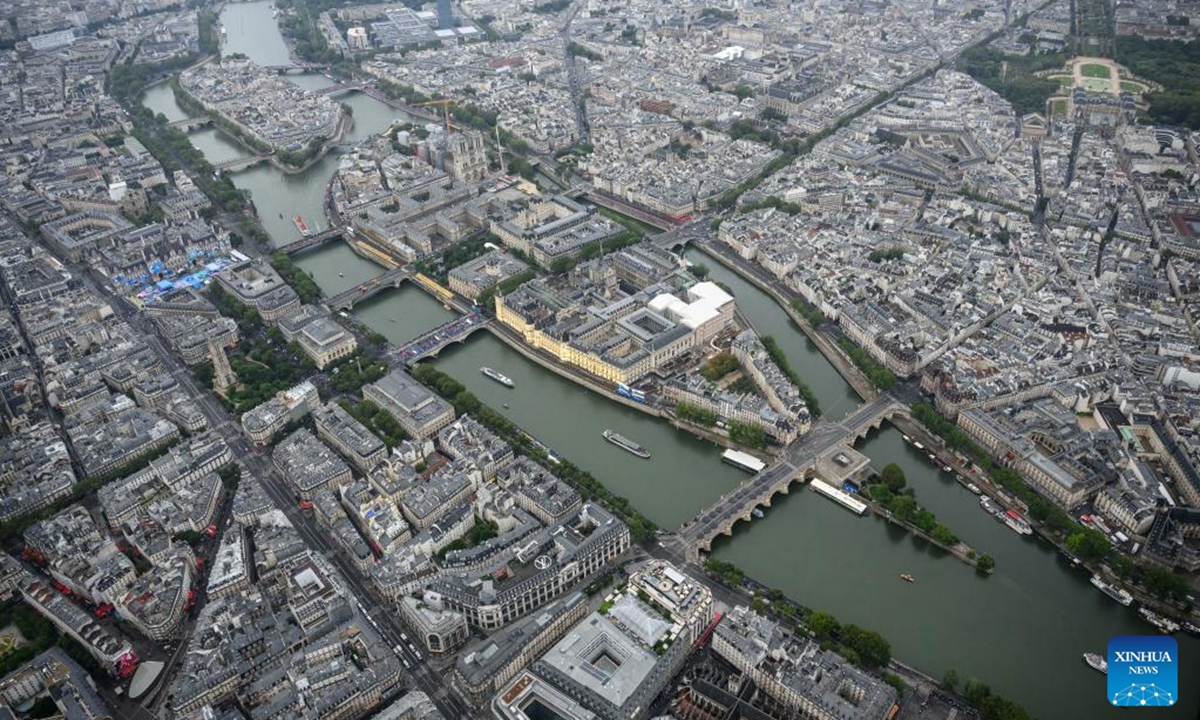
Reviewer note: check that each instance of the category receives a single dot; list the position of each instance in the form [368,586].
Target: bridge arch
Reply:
[438,348]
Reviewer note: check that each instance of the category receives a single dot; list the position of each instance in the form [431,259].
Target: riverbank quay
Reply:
[935,444]
[512,340]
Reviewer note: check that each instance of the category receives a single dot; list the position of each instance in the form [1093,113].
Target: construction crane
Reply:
[445,105]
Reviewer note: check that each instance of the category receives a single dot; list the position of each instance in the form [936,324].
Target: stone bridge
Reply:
[294,68]
[680,236]
[433,342]
[240,163]
[797,464]
[342,89]
[189,124]
[348,299]
[312,242]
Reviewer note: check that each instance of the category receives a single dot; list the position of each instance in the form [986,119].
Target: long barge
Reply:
[844,499]
[743,461]
[626,444]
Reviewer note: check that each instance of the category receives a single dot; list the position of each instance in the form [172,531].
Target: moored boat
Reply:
[757,512]
[626,444]
[497,376]
[986,503]
[1096,662]
[1018,524]
[744,461]
[1165,625]
[1117,594]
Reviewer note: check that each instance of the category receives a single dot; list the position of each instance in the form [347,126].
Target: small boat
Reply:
[946,468]
[300,225]
[919,446]
[907,578]
[1096,662]
[990,507]
[974,488]
[757,512]
[280,214]
[626,444]
[392,319]
[1191,629]
[505,406]
[498,377]
[906,438]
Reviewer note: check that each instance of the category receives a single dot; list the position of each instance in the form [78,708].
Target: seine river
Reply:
[1022,630]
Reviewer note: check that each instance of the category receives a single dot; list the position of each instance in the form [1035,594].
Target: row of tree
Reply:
[695,414]
[893,494]
[776,352]
[877,373]
[1086,543]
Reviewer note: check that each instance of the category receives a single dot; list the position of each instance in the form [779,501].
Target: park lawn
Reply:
[1058,107]
[1093,70]
[1133,87]
[1066,83]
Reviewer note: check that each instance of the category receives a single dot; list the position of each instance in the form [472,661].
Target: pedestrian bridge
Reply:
[432,342]
[348,299]
[797,464]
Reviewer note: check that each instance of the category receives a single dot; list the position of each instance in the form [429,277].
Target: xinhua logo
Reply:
[1143,671]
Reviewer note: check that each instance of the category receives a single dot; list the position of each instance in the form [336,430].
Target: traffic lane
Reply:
[425,680]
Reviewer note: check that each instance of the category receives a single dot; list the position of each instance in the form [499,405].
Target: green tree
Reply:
[1089,544]
[1164,584]
[749,434]
[942,534]
[950,680]
[822,623]
[893,477]
[1121,565]
[873,651]
[904,507]
[986,563]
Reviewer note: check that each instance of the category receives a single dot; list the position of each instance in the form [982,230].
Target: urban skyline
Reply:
[463,359]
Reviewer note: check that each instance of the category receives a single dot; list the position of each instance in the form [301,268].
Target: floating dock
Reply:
[744,461]
[844,499]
